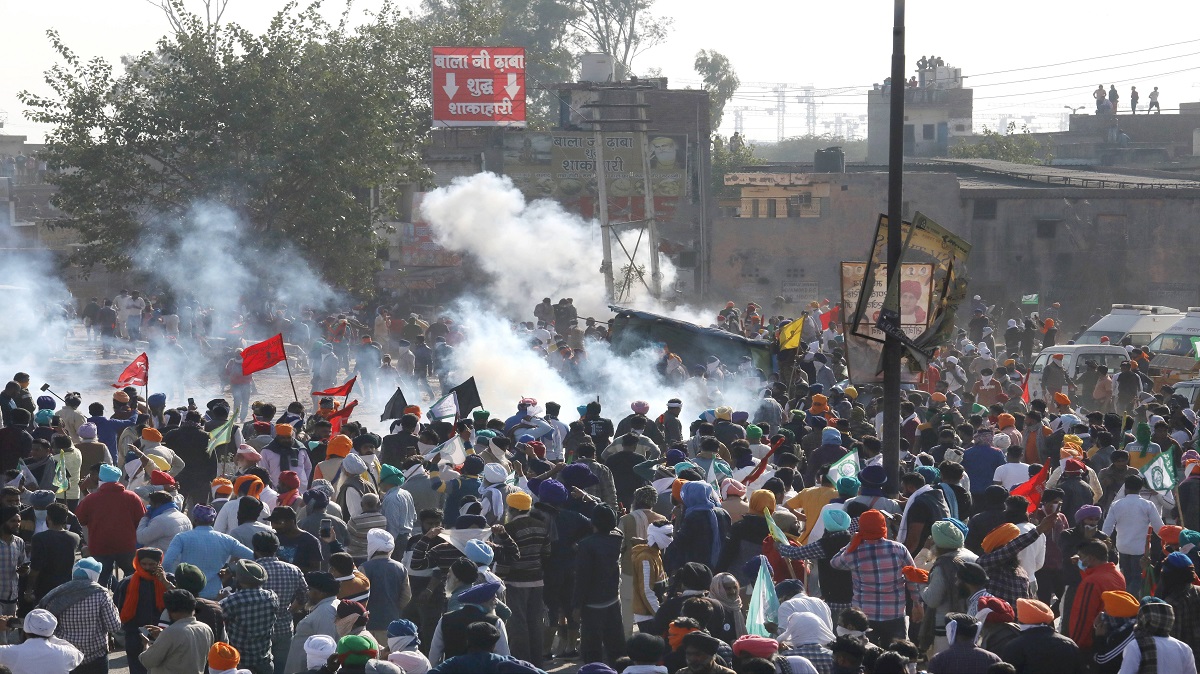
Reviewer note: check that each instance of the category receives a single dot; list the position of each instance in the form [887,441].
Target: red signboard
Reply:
[479,86]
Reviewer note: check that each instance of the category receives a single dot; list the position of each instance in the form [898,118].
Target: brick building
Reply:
[1082,237]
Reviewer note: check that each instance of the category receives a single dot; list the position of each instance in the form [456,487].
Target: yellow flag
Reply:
[789,335]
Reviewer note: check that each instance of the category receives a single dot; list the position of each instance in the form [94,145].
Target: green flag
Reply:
[1029,299]
[222,434]
[776,533]
[1158,473]
[847,466]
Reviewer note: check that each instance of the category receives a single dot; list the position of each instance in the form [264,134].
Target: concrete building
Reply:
[937,111]
[1081,237]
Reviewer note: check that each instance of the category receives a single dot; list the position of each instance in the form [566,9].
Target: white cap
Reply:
[41,622]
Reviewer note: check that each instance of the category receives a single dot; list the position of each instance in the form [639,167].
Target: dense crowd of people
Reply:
[1052,530]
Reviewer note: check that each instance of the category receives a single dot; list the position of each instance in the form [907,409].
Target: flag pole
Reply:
[295,396]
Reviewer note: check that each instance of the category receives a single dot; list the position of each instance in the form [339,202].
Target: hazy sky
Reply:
[839,47]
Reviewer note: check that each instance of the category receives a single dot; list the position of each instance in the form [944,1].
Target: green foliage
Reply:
[729,157]
[801,148]
[622,28]
[540,26]
[284,128]
[720,81]
[1020,148]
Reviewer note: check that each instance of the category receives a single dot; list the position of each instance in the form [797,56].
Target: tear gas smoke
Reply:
[533,250]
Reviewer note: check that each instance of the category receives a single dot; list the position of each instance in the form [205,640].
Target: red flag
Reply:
[764,462]
[1033,488]
[337,418]
[136,374]
[338,391]
[1025,387]
[263,355]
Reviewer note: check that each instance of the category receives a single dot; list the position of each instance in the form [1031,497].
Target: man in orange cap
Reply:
[1006,578]
[876,567]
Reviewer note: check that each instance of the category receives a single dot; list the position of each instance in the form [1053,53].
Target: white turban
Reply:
[1001,441]
[494,473]
[40,622]
[354,465]
[379,540]
[318,648]
[659,536]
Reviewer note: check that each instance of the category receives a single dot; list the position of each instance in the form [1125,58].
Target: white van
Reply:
[1188,389]
[1141,323]
[1075,358]
[1172,354]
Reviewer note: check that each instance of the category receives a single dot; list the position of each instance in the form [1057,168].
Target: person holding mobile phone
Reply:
[139,600]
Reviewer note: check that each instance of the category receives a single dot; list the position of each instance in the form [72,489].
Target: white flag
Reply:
[847,466]
[446,408]
[1158,473]
[450,451]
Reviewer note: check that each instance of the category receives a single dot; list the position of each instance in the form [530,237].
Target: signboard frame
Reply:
[478,87]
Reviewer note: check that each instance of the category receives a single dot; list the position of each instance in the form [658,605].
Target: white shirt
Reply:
[1032,557]
[1012,474]
[1130,516]
[41,656]
[1174,657]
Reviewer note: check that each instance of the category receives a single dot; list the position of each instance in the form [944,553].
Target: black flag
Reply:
[394,409]
[468,396]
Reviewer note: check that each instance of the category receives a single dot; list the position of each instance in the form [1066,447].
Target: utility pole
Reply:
[891,345]
[648,192]
[606,266]
[780,110]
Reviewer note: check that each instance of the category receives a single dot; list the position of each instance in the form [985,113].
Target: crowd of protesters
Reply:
[1030,532]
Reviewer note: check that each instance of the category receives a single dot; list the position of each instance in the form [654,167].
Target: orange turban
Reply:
[872,526]
[937,397]
[248,485]
[761,500]
[1120,604]
[1033,612]
[1000,535]
[222,486]
[676,489]
[676,633]
[1170,534]
[339,446]
[1005,420]
[222,656]
[151,434]
[1061,398]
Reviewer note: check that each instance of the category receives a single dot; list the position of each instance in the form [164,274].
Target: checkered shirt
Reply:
[12,555]
[1006,578]
[250,616]
[875,568]
[287,582]
[87,624]
[818,655]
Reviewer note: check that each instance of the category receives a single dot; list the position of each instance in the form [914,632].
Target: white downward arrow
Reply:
[512,87]
[450,89]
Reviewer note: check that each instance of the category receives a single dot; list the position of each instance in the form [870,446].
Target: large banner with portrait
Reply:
[864,343]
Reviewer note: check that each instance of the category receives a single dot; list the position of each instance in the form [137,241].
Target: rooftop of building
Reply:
[993,173]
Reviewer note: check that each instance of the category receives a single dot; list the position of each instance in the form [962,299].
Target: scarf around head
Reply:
[676,633]
[872,526]
[133,592]
[1143,435]
[699,497]
[1154,619]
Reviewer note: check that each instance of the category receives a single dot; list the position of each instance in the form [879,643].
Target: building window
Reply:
[927,131]
[771,208]
[754,208]
[800,205]
[792,272]
[960,128]
[984,209]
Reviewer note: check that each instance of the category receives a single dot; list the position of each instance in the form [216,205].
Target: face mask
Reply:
[1090,528]
[987,380]
[1051,508]
[635,433]
[1079,563]
[313,444]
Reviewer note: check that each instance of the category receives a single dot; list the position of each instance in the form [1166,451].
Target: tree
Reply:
[286,129]
[621,28]
[540,26]
[729,157]
[1019,148]
[720,81]
[802,148]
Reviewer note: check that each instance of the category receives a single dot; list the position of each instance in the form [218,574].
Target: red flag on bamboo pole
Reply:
[263,355]
[135,374]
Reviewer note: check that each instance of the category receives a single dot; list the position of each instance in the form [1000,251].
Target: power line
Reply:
[1090,58]
[1083,72]
[1051,91]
